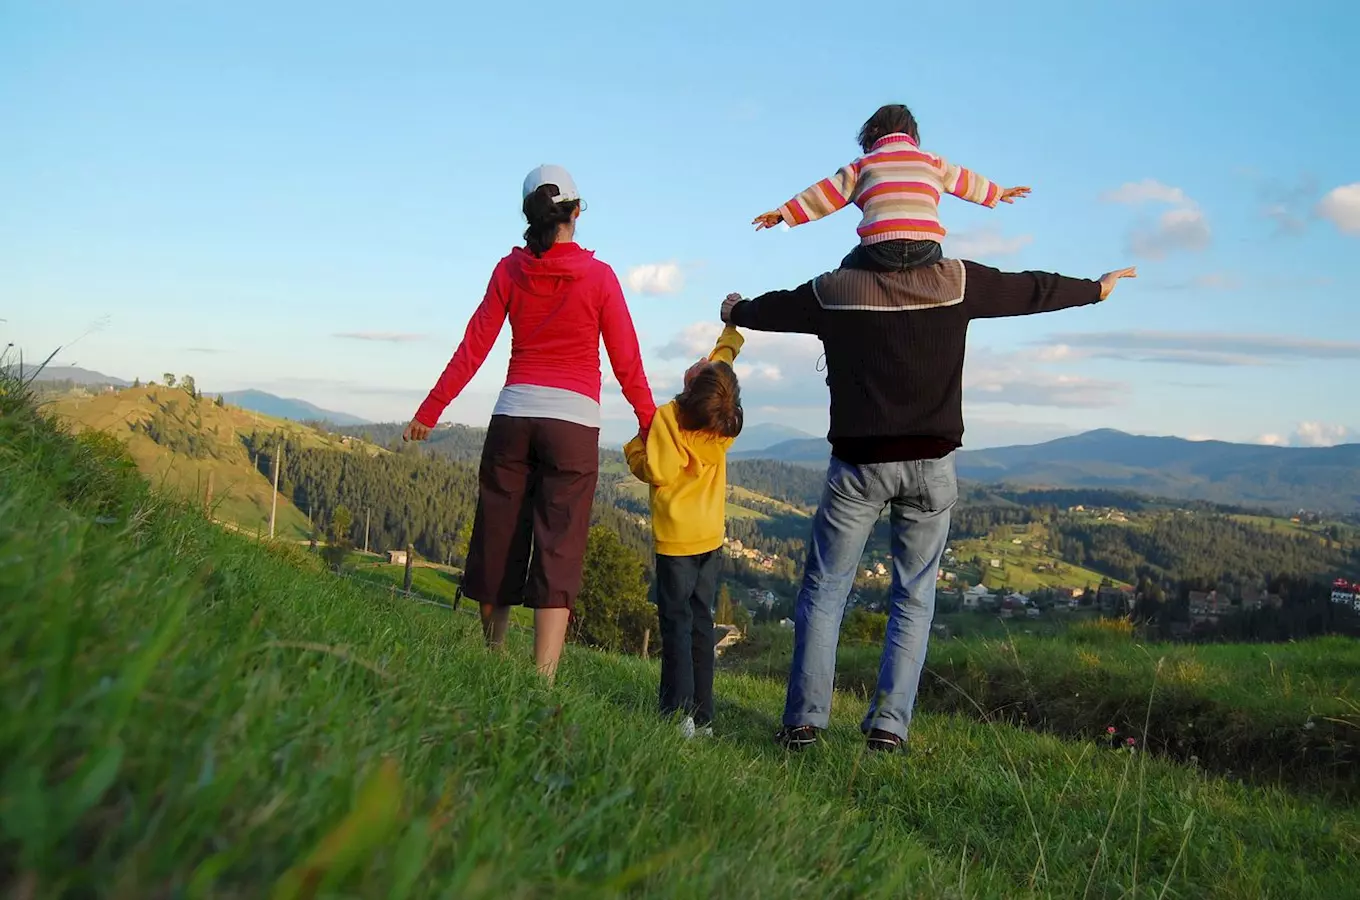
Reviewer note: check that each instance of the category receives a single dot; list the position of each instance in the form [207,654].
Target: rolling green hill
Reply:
[194,447]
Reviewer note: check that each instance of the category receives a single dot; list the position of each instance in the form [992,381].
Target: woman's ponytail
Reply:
[544,217]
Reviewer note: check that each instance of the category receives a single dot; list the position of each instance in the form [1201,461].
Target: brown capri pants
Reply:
[536,487]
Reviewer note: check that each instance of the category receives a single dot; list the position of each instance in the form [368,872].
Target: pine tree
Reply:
[136,382]
[723,614]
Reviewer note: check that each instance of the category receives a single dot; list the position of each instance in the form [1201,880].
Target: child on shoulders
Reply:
[897,185]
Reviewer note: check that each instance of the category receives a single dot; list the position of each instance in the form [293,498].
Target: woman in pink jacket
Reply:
[540,461]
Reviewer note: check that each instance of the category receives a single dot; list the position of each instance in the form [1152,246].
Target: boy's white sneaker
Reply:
[687,727]
[705,731]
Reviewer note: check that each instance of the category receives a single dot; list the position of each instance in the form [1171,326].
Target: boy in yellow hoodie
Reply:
[684,459]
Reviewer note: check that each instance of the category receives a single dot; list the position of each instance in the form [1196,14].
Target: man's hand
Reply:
[1110,279]
[415,431]
[767,220]
[727,304]
[1010,195]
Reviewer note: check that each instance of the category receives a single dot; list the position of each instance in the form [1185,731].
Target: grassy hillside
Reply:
[240,493]
[192,714]
[1277,711]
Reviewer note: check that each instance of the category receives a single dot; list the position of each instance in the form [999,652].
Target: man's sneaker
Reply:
[703,731]
[879,741]
[796,737]
[687,727]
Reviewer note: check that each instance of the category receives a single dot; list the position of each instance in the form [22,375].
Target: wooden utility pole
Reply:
[646,640]
[274,501]
[368,513]
[410,558]
[208,495]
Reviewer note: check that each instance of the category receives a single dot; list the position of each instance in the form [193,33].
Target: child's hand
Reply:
[767,220]
[728,303]
[1010,195]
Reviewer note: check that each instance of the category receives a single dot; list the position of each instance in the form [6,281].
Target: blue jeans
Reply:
[920,495]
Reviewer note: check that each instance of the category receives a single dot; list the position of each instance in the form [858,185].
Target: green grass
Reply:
[188,713]
[1019,561]
[1286,712]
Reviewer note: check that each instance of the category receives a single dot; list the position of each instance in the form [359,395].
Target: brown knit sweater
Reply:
[895,345]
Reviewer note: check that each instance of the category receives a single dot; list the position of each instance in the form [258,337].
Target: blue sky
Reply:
[308,198]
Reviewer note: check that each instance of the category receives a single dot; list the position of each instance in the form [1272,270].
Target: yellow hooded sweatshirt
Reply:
[688,474]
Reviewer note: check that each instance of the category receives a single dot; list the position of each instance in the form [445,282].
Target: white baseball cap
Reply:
[546,174]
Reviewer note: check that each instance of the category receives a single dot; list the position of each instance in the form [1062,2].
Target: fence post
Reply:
[646,642]
[410,554]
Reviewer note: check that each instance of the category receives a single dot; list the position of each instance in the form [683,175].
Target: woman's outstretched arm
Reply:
[482,331]
[621,343]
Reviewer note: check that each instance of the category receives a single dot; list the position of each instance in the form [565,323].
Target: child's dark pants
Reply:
[686,587]
[893,256]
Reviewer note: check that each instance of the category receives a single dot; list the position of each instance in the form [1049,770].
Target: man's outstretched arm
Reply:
[993,294]
[794,311]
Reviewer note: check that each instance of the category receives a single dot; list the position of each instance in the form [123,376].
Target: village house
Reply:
[763,599]
[1254,597]
[1114,601]
[1017,599]
[1208,607]
[975,596]
[1347,593]
[396,557]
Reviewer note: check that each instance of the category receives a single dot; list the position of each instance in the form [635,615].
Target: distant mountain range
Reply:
[77,375]
[754,438]
[287,408]
[1282,478]
[255,401]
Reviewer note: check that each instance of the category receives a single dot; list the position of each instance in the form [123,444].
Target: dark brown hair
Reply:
[544,216]
[891,119]
[711,402]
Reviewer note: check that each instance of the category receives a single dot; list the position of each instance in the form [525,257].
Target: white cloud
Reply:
[1149,190]
[389,337]
[1015,379]
[1311,434]
[760,372]
[984,243]
[655,278]
[1183,227]
[1341,207]
[1320,434]
[1204,348]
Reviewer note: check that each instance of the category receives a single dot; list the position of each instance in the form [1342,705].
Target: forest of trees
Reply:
[798,485]
[1211,549]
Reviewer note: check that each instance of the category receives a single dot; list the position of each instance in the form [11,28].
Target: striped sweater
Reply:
[897,185]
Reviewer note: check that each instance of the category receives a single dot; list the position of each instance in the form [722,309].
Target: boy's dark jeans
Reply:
[893,256]
[686,587]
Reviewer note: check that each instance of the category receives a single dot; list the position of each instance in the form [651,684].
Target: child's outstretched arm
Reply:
[657,458]
[728,346]
[822,199]
[969,185]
